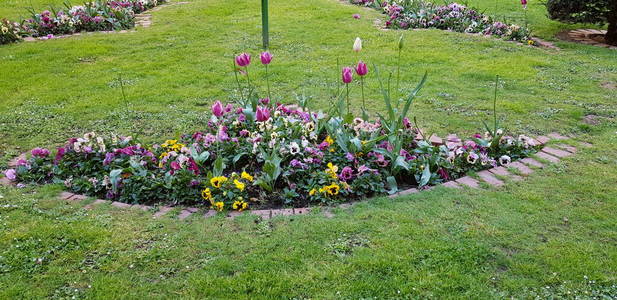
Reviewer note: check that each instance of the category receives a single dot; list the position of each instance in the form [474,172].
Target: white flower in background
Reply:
[357,45]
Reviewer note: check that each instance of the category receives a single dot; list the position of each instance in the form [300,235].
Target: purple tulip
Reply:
[243,59]
[266,58]
[361,69]
[524,2]
[356,16]
[263,114]
[217,108]
[347,75]
[10,174]
[264,101]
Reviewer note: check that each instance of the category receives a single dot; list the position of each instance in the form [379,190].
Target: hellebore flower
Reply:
[266,58]
[347,75]
[263,114]
[243,59]
[217,108]
[10,174]
[361,69]
[357,45]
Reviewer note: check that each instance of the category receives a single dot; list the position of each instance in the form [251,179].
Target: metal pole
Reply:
[264,24]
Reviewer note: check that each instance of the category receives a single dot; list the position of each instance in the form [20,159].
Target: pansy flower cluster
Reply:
[10,31]
[97,15]
[259,153]
[404,14]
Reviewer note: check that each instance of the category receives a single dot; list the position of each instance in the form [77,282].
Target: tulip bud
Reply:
[357,45]
[401,41]
[243,59]
[361,69]
[262,114]
[217,108]
[347,75]
[266,58]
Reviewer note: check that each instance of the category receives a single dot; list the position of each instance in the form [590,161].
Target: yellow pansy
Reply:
[217,182]
[312,192]
[239,185]
[247,176]
[329,140]
[331,170]
[330,190]
[207,195]
[219,206]
[240,205]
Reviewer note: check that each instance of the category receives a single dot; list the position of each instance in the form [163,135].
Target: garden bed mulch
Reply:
[491,178]
[591,37]
[141,20]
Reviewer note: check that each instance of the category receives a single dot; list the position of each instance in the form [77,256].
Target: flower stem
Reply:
[398,71]
[348,106]
[248,81]
[237,80]
[268,83]
[362,87]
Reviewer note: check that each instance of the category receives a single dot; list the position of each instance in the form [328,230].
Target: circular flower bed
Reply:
[257,153]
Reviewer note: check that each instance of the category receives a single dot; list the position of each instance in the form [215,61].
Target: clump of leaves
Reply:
[346,244]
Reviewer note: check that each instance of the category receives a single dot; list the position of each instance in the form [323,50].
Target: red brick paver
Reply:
[568,148]
[556,152]
[489,178]
[468,181]
[404,192]
[96,202]
[501,171]
[120,204]
[525,170]
[162,211]
[532,162]
[548,157]
[451,184]
[542,139]
[557,136]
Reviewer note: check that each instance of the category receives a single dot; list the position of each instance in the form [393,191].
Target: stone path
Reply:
[492,178]
[586,36]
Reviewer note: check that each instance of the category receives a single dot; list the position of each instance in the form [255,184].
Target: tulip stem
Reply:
[362,88]
[398,71]
[268,82]
[248,81]
[237,80]
[348,108]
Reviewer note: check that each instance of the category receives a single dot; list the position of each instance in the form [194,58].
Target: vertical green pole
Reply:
[264,23]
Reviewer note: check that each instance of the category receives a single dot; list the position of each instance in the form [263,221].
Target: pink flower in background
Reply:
[347,75]
[243,59]
[10,174]
[361,69]
[263,114]
[265,57]
[356,16]
[217,108]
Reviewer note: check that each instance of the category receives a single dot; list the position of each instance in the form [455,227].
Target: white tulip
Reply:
[357,45]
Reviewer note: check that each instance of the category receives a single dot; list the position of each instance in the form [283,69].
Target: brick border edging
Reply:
[143,19]
[488,176]
[583,36]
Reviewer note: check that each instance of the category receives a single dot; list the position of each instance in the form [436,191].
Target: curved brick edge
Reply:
[144,20]
[584,36]
[490,177]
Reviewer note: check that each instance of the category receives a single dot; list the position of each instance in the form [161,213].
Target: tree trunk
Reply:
[611,34]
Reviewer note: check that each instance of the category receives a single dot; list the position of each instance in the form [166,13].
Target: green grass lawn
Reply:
[554,230]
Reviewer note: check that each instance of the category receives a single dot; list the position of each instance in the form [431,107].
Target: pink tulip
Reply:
[266,58]
[263,114]
[217,108]
[524,2]
[356,16]
[243,59]
[361,69]
[347,75]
